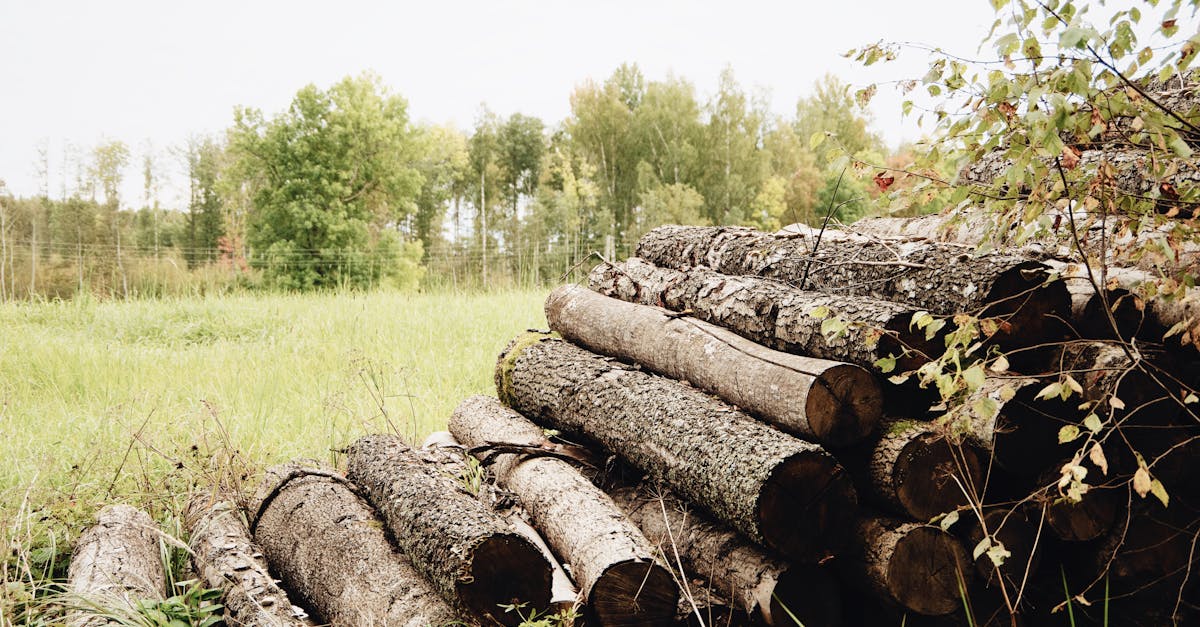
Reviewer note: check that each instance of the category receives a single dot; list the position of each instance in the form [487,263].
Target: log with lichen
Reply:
[827,401]
[785,493]
[612,561]
[463,547]
[329,547]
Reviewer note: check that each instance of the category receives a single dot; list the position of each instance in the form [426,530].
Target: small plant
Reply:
[471,478]
[197,606]
[561,618]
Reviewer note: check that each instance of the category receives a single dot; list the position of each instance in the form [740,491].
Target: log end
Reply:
[844,405]
[506,569]
[1032,307]
[634,593]
[807,595]
[931,472]
[925,571]
[807,506]
[1086,520]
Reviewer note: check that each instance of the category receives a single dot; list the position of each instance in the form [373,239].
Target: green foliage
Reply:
[337,173]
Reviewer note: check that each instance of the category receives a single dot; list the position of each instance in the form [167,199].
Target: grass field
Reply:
[103,401]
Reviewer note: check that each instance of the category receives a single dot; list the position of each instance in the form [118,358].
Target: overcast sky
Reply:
[157,71]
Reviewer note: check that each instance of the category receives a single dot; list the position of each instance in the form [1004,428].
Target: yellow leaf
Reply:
[1157,489]
[1142,482]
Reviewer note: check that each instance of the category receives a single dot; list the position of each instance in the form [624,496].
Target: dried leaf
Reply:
[1097,457]
[1116,403]
[1070,157]
[948,520]
[883,181]
[1000,364]
[1142,482]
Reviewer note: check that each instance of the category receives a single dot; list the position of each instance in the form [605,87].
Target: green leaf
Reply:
[816,139]
[1157,489]
[886,364]
[1050,391]
[820,313]
[1093,423]
[1067,434]
[997,553]
[984,545]
[1180,147]
[974,377]
[947,520]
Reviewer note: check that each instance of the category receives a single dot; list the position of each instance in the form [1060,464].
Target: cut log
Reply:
[1104,370]
[945,279]
[755,582]
[609,557]
[1152,551]
[462,546]
[704,607]
[1021,434]
[785,493]
[116,564]
[830,402]
[1016,529]
[775,314]
[327,545]
[921,472]
[226,559]
[919,567]
[1086,520]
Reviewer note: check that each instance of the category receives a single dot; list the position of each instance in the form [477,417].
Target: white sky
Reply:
[157,71]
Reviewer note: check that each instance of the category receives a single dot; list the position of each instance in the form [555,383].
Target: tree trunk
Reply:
[827,401]
[921,473]
[225,558]
[755,582]
[914,565]
[116,563]
[327,545]
[609,557]
[463,547]
[942,278]
[1022,434]
[785,493]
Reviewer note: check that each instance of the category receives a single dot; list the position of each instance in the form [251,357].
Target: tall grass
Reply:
[120,401]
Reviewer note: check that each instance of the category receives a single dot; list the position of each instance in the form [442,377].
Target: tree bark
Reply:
[914,565]
[463,547]
[327,544]
[115,564]
[831,402]
[226,559]
[774,314]
[609,557]
[785,493]
[921,473]
[756,582]
[944,279]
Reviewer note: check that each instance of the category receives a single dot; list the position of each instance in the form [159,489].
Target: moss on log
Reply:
[612,561]
[226,559]
[327,545]
[463,547]
[827,401]
[785,493]
[116,564]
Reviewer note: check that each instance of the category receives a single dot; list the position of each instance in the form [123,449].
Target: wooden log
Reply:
[754,581]
[613,562]
[327,545]
[1017,530]
[916,566]
[774,314]
[115,564]
[1152,551]
[1021,435]
[831,402]
[1105,370]
[702,606]
[461,546]
[564,595]
[919,471]
[943,279]
[782,492]
[226,559]
[1088,519]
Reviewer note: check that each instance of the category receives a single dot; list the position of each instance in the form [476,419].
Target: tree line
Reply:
[343,189]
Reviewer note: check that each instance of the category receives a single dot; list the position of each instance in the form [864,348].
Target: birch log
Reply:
[116,564]
[831,402]
[611,560]
[785,493]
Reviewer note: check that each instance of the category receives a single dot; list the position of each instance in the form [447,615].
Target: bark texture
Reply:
[914,565]
[462,546]
[832,402]
[785,493]
[609,557]
[944,279]
[773,313]
[226,559]
[115,564]
[756,582]
[327,545]
[921,472]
